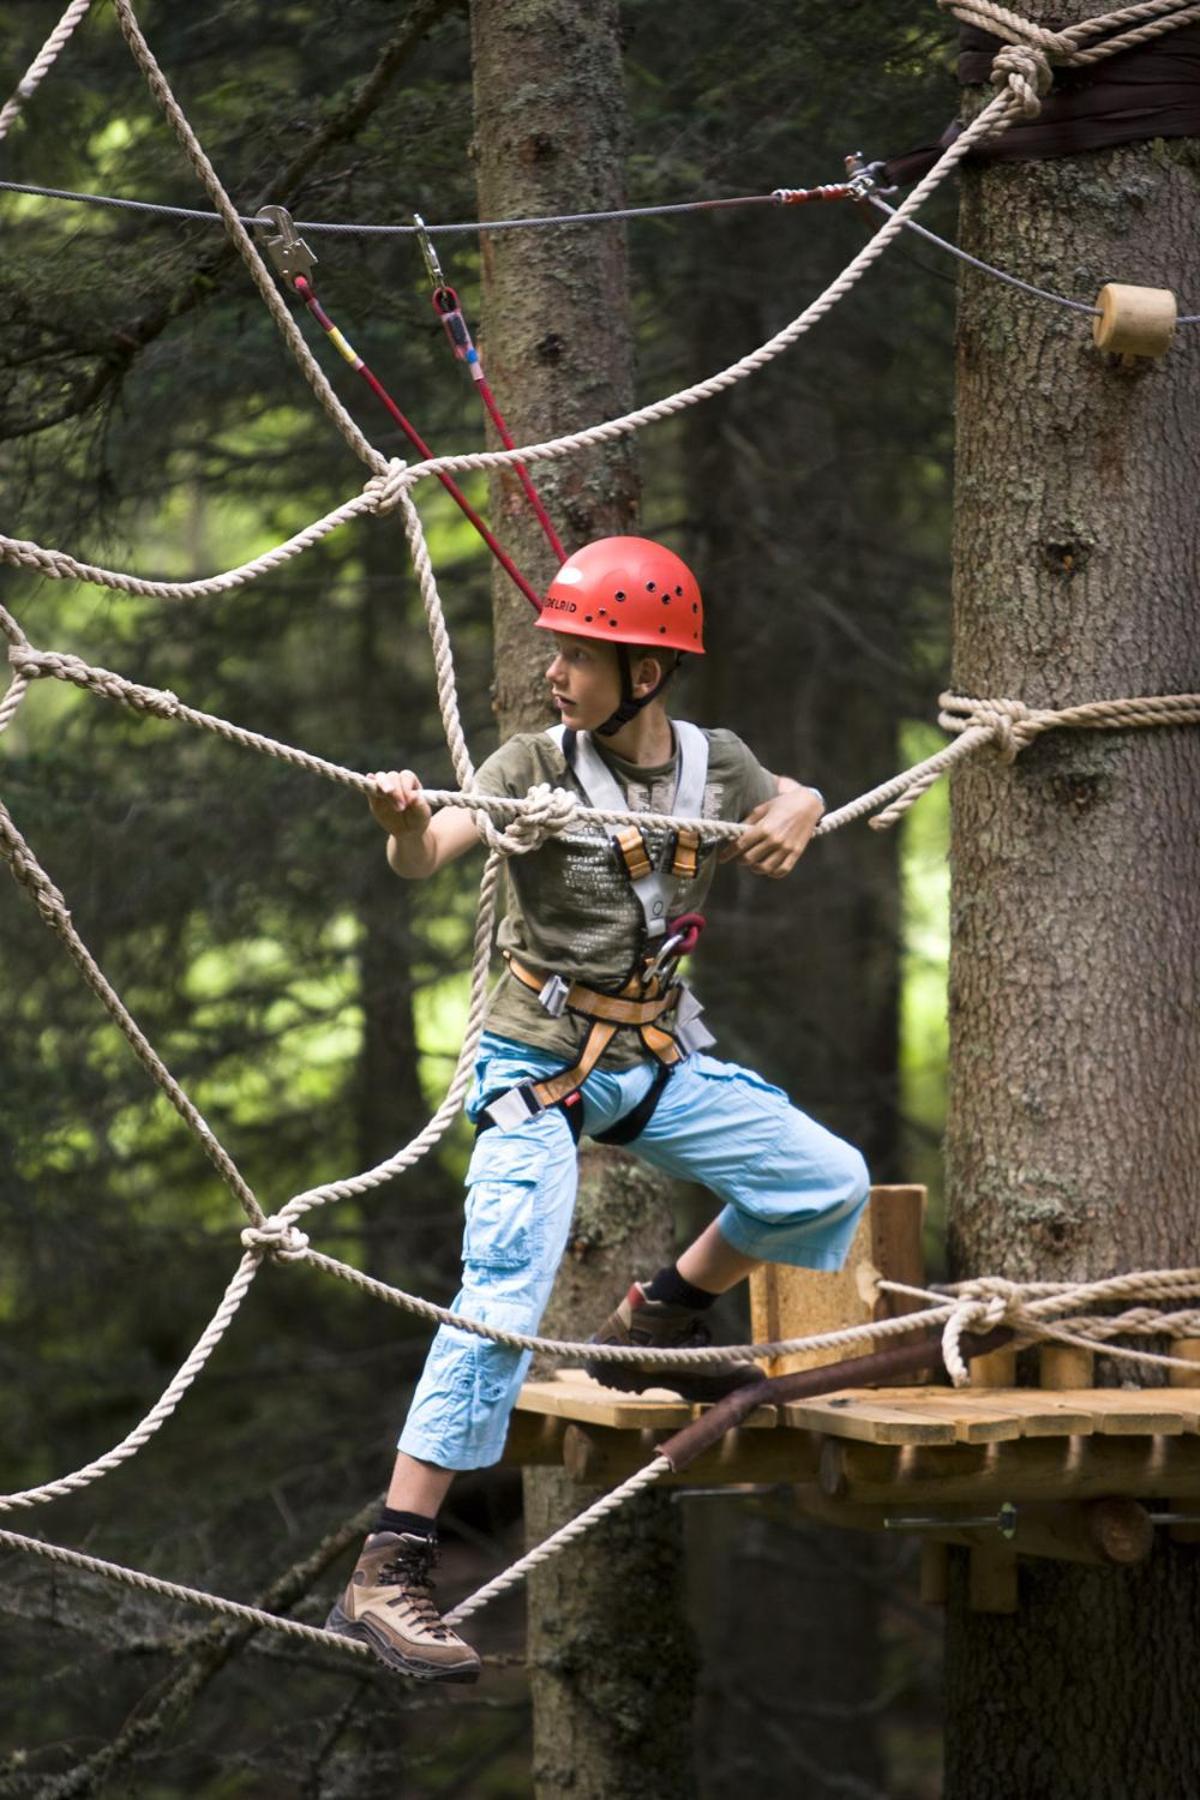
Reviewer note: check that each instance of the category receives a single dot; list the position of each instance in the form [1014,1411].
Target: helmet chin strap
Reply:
[630,706]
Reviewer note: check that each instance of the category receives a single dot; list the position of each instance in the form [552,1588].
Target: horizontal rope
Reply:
[378,497]
[172,1590]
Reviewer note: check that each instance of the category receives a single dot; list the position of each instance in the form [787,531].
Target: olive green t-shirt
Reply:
[571,907]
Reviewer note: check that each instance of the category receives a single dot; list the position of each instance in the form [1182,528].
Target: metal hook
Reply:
[433,267]
[287,250]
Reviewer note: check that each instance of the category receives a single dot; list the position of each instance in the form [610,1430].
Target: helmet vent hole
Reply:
[619,595]
[662,628]
[649,587]
[613,624]
[666,599]
[587,618]
[679,594]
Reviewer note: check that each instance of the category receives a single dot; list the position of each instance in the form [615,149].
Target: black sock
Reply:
[670,1286]
[418,1524]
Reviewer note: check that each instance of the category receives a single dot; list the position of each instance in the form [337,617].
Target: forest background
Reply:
[309,1002]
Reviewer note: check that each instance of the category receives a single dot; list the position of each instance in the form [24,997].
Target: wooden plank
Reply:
[792,1303]
[872,1416]
[599,1457]
[1036,1412]
[1128,1412]
[570,1394]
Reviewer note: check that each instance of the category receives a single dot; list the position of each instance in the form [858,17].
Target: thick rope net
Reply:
[1035,1311]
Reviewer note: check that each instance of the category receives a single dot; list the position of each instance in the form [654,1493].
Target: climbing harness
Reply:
[656,889]
[651,990]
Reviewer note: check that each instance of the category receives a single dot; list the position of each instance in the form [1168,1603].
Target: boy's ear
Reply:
[647,673]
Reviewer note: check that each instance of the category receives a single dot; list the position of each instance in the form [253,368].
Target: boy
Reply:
[588,1029]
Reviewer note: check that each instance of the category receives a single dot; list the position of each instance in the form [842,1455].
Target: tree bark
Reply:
[610,1661]
[1073,1144]
[556,340]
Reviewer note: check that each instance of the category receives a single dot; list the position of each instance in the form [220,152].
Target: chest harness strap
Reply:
[651,990]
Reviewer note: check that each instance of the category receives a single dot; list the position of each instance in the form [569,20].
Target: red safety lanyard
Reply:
[293,261]
[448,308]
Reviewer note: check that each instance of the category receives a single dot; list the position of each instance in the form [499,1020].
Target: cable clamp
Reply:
[865,179]
[287,249]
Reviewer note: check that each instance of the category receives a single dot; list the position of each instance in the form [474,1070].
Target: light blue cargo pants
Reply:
[792,1193]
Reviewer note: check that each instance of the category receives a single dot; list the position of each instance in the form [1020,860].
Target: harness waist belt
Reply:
[614,1009]
[608,1013]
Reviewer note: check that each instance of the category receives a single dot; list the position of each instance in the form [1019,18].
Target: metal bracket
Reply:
[1005,1522]
[287,249]
[863,178]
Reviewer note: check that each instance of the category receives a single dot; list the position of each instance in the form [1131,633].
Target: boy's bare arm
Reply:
[778,831]
[419,842]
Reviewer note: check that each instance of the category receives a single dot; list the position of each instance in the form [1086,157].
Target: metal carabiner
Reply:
[287,249]
[433,267]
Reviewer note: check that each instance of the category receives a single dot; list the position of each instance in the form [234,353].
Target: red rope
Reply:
[458,335]
[304,288]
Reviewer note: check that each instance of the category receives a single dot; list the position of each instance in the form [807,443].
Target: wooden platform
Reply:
[1085,1473]
[891,1416]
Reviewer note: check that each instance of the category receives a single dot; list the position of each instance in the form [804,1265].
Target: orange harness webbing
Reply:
[607,1012]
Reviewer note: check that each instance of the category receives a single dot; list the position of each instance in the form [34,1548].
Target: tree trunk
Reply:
[556,339]
[611,1659]
[557,344]
[1073,1143]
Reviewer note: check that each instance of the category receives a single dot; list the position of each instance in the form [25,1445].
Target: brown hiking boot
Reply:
[661,1326]
[389,1605]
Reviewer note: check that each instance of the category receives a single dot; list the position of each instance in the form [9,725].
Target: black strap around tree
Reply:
[1149,91]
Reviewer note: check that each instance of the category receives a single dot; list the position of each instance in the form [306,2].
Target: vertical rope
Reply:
[41,65]
[259,273]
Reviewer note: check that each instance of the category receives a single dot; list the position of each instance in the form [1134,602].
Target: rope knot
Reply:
[1010,723]
[276,1237]
[1027,73]
[546,812]
[972,1312]
[388,489]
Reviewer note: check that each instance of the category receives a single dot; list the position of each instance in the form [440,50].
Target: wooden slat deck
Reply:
[895,1416]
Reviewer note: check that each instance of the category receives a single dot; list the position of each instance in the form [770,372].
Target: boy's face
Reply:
[585,681]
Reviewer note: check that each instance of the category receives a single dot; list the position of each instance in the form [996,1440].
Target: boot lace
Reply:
[411,1568]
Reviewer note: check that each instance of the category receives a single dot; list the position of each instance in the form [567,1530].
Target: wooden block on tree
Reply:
[1065,1366]
[998,1369]
[1189,1350]
[935,1573]
[791,1303]
[992,1579]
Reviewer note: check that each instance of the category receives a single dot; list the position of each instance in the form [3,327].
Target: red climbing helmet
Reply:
[630,591]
